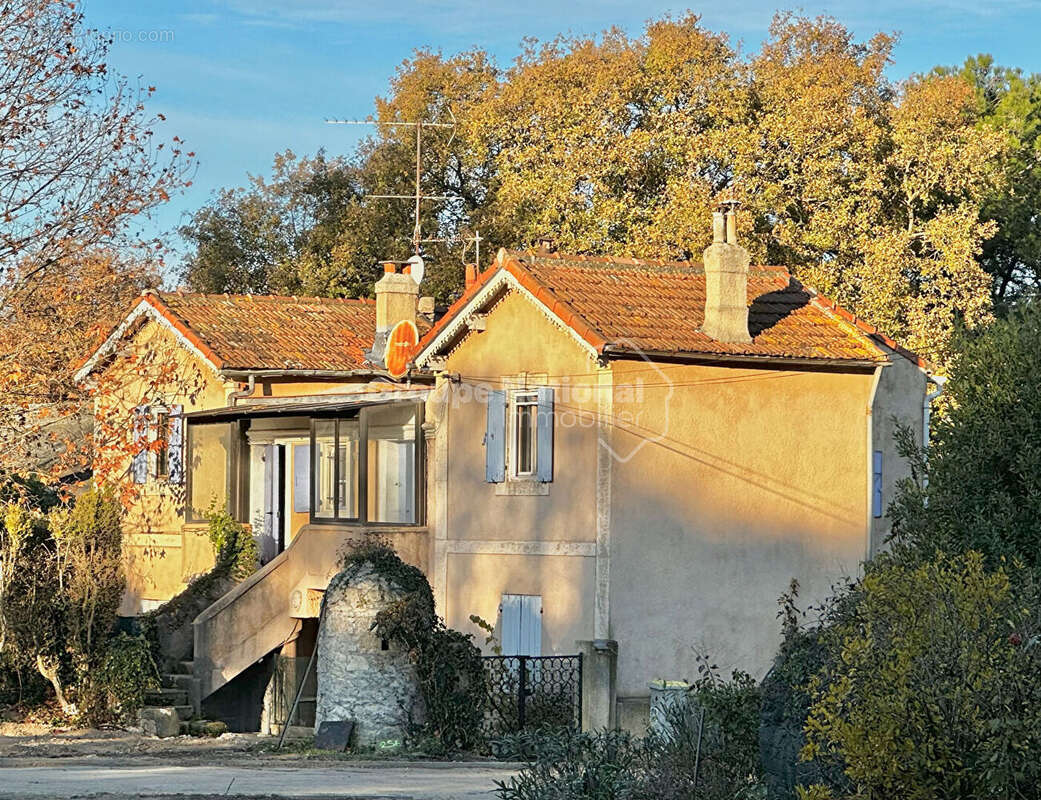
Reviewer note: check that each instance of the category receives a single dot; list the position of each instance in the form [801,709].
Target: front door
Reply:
[272,541]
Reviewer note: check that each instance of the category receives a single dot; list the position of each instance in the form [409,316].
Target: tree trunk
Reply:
[49,669]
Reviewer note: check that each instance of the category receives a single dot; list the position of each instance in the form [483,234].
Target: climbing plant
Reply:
[448,665]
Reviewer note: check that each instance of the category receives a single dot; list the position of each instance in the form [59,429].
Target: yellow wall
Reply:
[519,338]
[737,482]
[161,553]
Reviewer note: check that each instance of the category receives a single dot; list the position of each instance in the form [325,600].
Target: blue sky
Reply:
[240,81]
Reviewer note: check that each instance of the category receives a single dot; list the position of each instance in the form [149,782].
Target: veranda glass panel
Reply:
[392,464]
[347,453]
[208,467]
[325,466]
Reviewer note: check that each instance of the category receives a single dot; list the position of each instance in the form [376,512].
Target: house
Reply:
[627,458]
[225,397]
[642,455]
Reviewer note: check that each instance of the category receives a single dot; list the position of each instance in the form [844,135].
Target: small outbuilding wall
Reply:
[360,676]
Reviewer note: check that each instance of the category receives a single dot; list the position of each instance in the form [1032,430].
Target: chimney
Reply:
[396,295]
[471,275]
[726,280]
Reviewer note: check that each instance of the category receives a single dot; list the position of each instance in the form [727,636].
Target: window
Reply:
[523,421]
[158,436]
[162,445]
[392,464]
[381,487]
[518,438]
[520,624]
[876,485]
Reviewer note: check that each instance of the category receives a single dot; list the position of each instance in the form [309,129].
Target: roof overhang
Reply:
[744,360]
[304,409]
[149,307]
[506,277]
[244,373]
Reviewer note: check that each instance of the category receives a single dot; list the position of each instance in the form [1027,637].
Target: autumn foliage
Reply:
[879,194]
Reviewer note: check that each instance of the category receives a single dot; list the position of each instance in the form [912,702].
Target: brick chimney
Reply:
[726,280]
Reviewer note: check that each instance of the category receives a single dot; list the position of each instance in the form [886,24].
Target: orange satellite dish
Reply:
[401,341]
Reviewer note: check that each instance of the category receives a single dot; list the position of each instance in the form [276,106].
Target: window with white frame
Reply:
[523,434]
[518,439]
[158,444]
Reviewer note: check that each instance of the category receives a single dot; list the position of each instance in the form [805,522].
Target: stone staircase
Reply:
[173,708]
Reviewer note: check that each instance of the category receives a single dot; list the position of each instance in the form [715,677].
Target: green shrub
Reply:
[117,689]
[930,689]
[568,765]
[60,588]
[707,747]
[235,550]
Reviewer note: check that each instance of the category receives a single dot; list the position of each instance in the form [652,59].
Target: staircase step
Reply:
[184,668]
[179,681]
[166,697]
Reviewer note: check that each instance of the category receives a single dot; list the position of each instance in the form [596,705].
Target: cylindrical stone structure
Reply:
[360,676]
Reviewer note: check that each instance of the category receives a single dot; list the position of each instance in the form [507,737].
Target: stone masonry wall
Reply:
[357,678]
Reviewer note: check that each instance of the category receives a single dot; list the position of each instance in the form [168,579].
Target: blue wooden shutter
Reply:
[139,464]
[531,625]
[495,438]
[876,484]
[544,432]
[510,624]
[520,624]
[175,445]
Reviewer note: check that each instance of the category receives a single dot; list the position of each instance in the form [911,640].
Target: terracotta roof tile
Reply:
[655,306]
[274,332]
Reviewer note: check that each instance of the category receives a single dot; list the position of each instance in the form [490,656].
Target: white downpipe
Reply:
[927,405]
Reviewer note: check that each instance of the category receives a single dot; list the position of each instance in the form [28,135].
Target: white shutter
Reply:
[175,446]
[302,478]
[531,625]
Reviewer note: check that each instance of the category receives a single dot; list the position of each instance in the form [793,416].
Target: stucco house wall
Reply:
[758,478]
[493,541]
[899,399]
[161,552]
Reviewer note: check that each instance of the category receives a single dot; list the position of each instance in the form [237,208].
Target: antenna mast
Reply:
[418,198]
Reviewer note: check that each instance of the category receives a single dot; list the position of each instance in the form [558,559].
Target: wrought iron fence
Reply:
[533,692]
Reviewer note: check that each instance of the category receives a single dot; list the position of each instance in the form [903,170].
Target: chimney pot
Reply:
[471,275]
[732,225]
[390,266]
[718,227]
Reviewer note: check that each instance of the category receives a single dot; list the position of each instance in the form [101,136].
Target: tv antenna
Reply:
[418,197]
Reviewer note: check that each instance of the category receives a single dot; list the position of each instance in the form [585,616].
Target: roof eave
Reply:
[618,352]
[239,373]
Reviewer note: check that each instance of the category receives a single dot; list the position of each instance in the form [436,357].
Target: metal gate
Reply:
[533,692]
